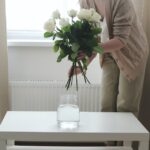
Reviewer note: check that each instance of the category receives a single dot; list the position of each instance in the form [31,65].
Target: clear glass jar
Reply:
[68,114]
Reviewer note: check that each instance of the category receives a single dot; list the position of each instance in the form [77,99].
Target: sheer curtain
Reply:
[3,63]
[143,10]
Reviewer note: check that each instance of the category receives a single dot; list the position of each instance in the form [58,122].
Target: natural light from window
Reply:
[30,15]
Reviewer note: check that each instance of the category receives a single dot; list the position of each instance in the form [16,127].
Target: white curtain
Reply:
[143,10]
[3,63]
[139,7]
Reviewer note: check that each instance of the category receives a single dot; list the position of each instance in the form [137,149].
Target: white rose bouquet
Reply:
[79,33]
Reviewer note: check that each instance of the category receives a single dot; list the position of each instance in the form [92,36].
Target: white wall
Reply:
[39,63]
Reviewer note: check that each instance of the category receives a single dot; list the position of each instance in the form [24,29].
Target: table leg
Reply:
[10,142]
[3,145]
[143,145]
[127,143]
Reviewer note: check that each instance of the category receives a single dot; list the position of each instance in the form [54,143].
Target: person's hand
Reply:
[81,55]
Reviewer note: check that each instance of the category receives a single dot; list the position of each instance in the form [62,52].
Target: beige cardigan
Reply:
[123,23]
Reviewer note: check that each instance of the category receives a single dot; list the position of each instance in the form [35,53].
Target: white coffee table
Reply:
[94,127]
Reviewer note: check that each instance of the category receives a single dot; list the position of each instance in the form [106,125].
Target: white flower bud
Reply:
[56,14]
[72,13]
[92,11]
[64,22]
[89,15]
[84,14]
[49,26]
[95,17]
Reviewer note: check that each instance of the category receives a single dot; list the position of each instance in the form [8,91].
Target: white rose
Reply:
[89,15]
[92,11]
[84,14]
[50,25]
[95,17]
[72,13]
[56,14]
[64,22]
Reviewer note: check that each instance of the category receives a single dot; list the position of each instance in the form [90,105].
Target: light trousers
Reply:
[117,93]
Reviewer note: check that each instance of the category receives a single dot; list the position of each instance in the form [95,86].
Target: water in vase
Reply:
[68,116]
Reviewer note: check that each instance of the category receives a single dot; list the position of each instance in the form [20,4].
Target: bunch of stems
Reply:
[76,64]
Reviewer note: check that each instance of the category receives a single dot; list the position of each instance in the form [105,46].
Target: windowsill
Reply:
[29,43]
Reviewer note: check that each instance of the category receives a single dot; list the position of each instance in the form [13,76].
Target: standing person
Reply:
[125,55]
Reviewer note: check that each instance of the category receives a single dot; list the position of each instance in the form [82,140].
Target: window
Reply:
[26,18]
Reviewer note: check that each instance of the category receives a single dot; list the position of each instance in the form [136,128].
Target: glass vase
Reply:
[68,114]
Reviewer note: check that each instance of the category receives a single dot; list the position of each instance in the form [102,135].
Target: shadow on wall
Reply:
[145,103]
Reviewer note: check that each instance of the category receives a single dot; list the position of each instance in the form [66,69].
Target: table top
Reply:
[93,126]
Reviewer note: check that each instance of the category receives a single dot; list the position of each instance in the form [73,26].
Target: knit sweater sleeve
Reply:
[122,16]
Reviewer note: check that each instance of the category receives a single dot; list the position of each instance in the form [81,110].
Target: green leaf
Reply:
[97,31]
[61,56]
[48,34]
[66,29]
[92,42]
[74,56]
[60,35]
[58,42]
[75,47]
[55,48]
[98,49]
[77,24]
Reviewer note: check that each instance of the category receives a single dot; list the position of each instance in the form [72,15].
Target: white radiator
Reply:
[44,95]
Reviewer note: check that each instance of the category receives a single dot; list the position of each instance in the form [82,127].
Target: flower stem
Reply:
[70,80]
[74,70]
[83,73]
[76,76]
